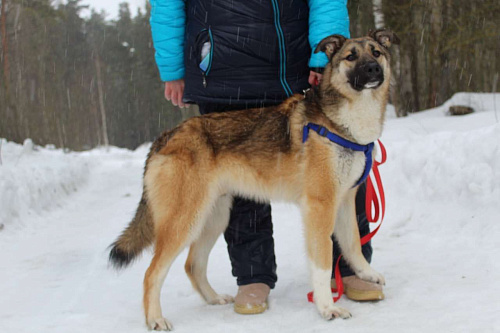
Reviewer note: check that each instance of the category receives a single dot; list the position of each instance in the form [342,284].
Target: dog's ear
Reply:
[384,37]
[330,45]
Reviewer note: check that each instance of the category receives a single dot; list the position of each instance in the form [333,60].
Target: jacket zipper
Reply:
[204,74]
[281,42]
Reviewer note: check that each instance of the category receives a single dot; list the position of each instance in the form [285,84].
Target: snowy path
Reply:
[438,250]
[54,276]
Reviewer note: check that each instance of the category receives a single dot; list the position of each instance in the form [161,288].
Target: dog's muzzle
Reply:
[368,75]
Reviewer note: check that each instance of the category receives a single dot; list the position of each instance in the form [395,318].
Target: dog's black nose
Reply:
[368,75]
[373,69]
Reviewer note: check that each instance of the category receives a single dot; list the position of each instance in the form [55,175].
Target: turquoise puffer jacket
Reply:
[259,47]
[168,19]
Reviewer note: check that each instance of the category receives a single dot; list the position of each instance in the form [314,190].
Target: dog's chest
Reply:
[362,118]
[349,165]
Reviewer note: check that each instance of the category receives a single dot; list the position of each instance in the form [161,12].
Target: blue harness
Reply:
[367,149]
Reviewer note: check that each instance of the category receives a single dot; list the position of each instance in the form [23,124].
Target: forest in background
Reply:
[82,82]
[447,46]
[79,83]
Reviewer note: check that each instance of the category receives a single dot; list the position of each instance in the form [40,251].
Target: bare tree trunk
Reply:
[415,106]
[97,61]
[396,61]
[361,17]
[93,109]
[446,75]
[5,48]
[413,48]
[434,51]
[394,96]
[493,90]
[378,14]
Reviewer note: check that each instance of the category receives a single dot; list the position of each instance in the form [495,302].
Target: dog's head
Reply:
[358,64]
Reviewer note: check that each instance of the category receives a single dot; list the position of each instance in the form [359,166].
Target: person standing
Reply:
[226,55]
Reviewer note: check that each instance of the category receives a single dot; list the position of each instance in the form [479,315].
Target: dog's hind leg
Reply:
[171,238]
[196,263]
[347,235]
[179,206]
[165,254]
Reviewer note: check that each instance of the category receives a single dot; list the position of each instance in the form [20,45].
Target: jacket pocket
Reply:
[204,52]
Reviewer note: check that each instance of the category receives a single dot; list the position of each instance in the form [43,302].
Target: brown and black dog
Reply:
[193,171]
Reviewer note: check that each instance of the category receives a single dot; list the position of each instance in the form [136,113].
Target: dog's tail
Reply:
[135,238]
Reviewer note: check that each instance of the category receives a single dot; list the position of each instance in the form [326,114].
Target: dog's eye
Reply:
[376,54]
[350,57]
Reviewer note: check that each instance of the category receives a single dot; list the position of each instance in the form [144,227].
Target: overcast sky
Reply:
[111,6]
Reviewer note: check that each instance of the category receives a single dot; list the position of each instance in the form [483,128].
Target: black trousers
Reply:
[249,236]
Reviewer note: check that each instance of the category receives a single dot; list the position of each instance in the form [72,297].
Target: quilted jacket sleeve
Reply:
[168,21]
[326,17]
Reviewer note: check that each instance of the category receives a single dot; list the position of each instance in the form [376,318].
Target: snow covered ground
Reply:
[438,248]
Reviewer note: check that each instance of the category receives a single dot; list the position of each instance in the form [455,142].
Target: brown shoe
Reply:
[360,290]
[251,298]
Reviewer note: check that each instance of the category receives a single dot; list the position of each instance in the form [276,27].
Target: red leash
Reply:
[373,216]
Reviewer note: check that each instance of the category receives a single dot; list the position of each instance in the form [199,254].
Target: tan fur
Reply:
[193,172]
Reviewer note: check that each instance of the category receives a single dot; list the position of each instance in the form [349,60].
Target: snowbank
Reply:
[437,160]
[480,102]
[35,179]
[463,167]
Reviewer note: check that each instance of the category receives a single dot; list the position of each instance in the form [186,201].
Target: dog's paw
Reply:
[160,324]
[332,312]
[371,275]
[221,300]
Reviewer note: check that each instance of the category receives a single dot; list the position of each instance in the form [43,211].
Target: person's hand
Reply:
[174,91]
[314,78]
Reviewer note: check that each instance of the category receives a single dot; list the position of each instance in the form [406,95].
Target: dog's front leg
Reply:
[347,235]
[318,217]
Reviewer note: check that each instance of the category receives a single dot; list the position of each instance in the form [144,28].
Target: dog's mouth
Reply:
[372,85]
[358,86]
